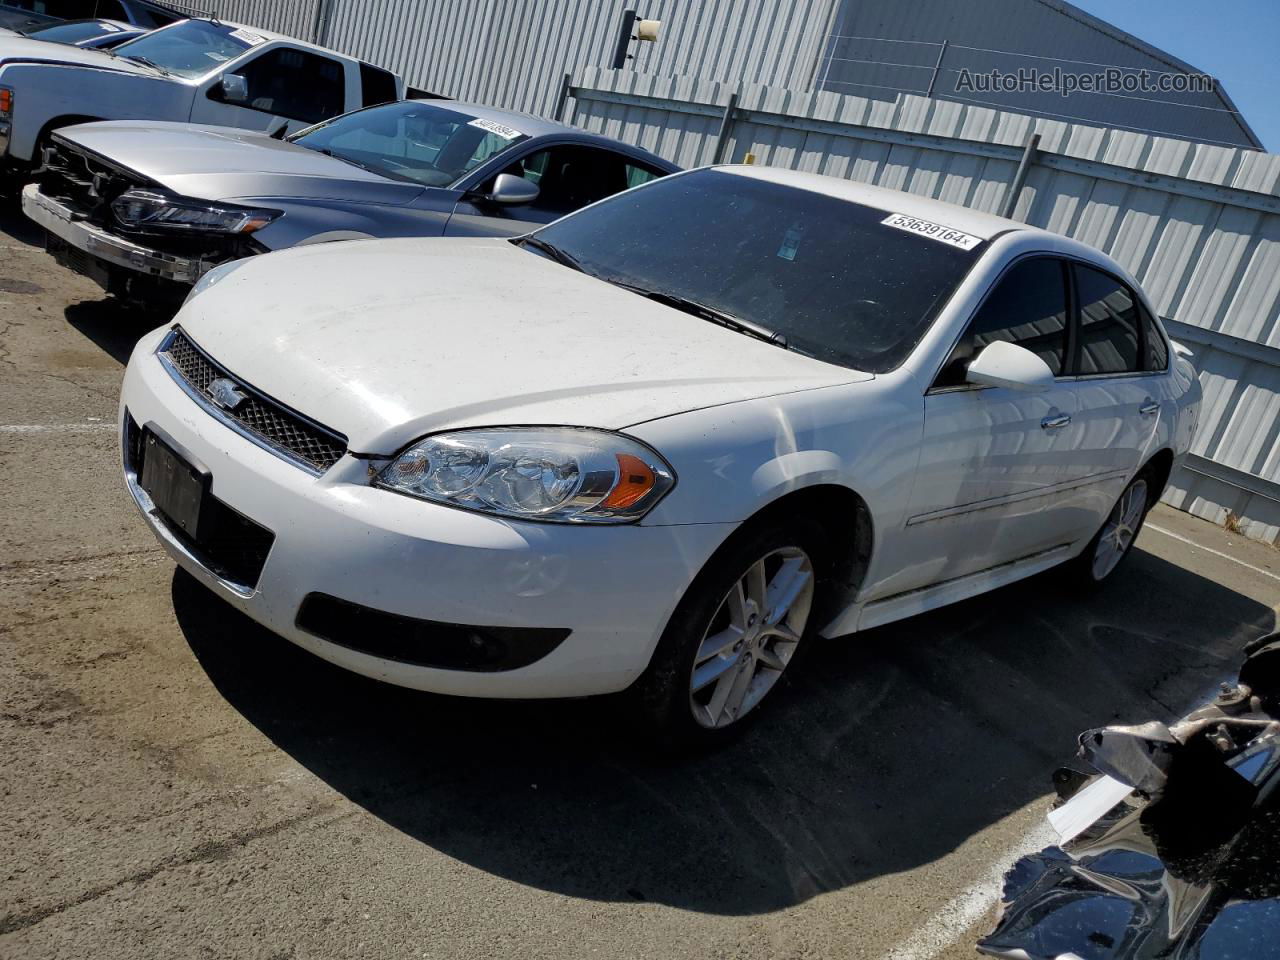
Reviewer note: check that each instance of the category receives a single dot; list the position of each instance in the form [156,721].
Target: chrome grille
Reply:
[279,428]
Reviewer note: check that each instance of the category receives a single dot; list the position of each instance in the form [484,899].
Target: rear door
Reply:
[1000,469]
[1117,394]
[568,176]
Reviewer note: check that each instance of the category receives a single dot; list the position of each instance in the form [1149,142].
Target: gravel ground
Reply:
[177,782]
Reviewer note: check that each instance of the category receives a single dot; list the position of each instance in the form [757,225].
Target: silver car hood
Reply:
[24,49]
[388,340]
[221,163]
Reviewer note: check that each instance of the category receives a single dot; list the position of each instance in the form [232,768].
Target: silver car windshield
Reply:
[189,49]
[412,140]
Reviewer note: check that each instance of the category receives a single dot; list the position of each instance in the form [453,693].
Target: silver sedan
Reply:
[147,208]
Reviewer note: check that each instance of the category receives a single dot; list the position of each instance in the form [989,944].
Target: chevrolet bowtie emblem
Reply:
[226,394]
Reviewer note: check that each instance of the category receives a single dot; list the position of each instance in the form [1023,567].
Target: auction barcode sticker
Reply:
[934,231]
[500,129]
[248,36]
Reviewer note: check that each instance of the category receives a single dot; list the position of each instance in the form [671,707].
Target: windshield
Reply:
[72,32]
[826,275]
[412,140]
[189,49]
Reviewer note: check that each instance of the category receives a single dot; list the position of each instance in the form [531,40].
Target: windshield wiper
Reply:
[552,251]
[337,156]
[148,63]
[719,317]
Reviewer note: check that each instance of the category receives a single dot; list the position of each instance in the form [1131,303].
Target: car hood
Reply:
[388,340]
[221,163]
[19,48]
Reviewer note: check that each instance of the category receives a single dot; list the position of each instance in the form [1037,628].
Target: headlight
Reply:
[142,209]
[563,474]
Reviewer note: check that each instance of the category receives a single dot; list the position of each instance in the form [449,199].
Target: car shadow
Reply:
[113,325]
[883,751]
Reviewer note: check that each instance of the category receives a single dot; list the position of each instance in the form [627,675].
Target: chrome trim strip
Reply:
[995,502]
[203,401]
[149,512]
[59,220]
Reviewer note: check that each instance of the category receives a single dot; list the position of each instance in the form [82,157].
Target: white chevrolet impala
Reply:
[657,445]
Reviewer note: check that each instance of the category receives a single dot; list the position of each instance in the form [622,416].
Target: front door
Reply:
[283,85]
[568,176]
[1000,472]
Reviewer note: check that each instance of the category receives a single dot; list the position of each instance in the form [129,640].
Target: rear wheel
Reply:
[1114,540]
[731,638]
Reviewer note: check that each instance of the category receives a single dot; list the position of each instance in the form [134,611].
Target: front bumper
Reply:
[612,587]
[62,222]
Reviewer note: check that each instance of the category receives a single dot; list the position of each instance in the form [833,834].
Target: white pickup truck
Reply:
[200,71]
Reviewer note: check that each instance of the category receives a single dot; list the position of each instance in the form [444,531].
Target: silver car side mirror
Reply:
[510,189]
[235,88]
[1004,364]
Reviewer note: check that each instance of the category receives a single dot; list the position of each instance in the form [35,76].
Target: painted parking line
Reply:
[1216,553]
[96,427]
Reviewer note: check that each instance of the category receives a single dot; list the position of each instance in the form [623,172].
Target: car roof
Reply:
[966,219]
[535,127]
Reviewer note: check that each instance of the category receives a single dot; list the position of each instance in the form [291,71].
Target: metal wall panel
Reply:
[1198,225]
[514,53]
[879,49]
[294,18]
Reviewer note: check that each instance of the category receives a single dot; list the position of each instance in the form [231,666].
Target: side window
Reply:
[376,86]
[295,84]
[1157,353]
[1028,307]
[1109,335]
[637,175]
[69,9]
[570,177]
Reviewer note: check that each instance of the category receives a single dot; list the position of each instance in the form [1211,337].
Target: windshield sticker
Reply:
[934,231]
[501,130]
[791,243]
[214,55]
[252,39]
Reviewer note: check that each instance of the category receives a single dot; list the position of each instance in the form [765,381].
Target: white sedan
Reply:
[657,445]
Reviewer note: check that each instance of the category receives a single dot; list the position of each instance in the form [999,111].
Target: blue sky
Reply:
[1237,41]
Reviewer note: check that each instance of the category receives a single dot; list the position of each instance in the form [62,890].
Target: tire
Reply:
[1113,542]
[725,649]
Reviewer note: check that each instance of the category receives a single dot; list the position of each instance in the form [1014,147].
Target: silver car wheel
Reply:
[1120,529]
[752,637]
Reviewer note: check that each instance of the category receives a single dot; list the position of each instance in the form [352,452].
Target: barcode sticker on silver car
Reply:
[248,36]
[934,231]
[505,132]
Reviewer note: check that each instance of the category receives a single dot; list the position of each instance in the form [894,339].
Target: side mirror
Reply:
[234,88]
[1004,364]
[510,189]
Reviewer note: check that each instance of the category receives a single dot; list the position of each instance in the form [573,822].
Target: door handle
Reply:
[1055,421]
[1149,407]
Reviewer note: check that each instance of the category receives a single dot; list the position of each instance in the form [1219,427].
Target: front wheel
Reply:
[1112,543]
[731,638]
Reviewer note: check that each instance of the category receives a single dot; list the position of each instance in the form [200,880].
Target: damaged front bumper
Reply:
[1172,850]
[62,222]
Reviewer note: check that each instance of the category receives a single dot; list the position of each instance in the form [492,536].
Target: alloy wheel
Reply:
[752,637]
[1120,529]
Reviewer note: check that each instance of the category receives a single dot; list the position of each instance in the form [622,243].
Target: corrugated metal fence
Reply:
[295,18]
[1198,225]
[512,53]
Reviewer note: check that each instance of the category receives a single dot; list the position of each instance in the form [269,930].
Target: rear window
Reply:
[830,275]
[376,86]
